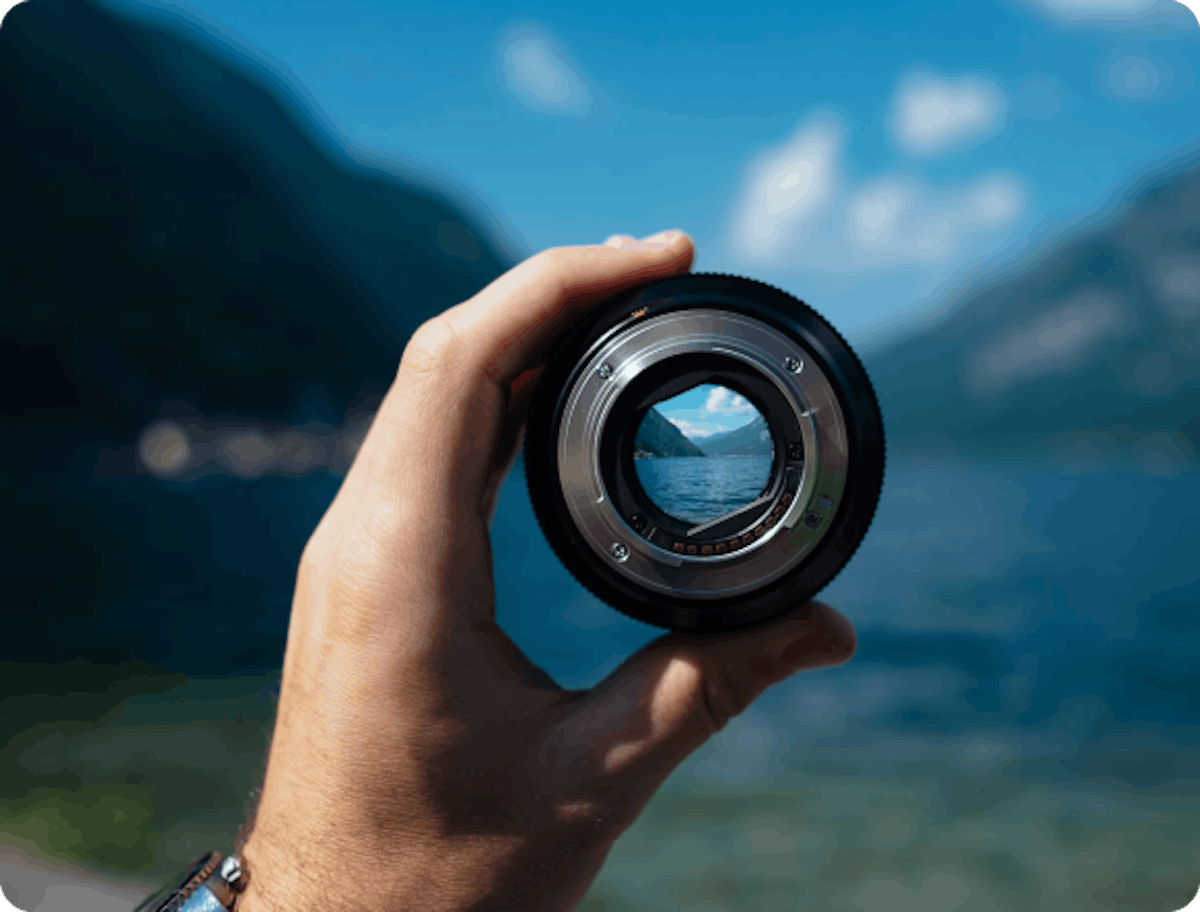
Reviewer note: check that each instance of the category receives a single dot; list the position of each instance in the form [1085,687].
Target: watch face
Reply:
[693,528]
[172,898]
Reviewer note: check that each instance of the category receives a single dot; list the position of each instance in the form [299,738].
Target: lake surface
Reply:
[697,489]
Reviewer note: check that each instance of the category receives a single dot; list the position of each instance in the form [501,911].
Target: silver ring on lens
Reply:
[643,535]
[779,529]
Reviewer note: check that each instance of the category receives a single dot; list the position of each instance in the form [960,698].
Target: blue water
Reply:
[697,489]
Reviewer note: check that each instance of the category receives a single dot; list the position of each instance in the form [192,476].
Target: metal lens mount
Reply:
[758,561]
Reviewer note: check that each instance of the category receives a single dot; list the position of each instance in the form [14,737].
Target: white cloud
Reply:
[721,401]
[537,73]
[932,113]
[837,234]
[873,216]
[895,222]
[693,431]
[789,187]
[903,221]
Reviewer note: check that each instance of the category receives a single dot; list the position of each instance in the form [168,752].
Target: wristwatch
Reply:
[210,885]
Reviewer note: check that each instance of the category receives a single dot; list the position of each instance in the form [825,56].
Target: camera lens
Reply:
[715,527]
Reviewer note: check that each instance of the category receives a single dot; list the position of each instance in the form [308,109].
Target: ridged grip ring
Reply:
[757,562]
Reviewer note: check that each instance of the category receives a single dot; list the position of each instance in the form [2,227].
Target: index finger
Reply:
[434,439]
[506,327]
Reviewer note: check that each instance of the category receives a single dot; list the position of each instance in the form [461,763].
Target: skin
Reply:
[420,760]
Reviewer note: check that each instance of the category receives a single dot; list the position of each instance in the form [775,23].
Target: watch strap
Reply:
[210,885]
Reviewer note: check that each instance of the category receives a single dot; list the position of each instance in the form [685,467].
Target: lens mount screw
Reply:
[605,371]
[619,551]
[637,521]
[795,365]
[812,520]
[795,451]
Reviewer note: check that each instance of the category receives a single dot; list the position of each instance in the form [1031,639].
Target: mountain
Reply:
[752,440]
[658,437]
[182,240]
[1089,341]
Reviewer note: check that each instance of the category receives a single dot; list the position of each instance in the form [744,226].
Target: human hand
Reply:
[420,760]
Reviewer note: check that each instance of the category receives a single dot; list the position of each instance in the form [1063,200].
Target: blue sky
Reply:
[707,409]
[860,157]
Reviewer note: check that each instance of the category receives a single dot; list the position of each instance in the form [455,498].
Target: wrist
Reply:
[327,867]
[478,871]
[293,864]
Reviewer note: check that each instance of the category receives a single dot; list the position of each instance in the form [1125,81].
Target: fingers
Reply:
[504,329]
[618,240]
[416,505]
[678,691]
[435,440]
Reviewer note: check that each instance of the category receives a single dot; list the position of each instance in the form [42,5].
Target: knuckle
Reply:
[549,269]
[719,702]
[559,264]
[553,258]
[432,347]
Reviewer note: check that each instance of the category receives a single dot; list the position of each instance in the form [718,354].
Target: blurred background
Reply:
[221,222]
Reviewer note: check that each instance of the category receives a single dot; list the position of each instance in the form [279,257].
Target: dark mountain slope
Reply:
[656,436]
[180,238]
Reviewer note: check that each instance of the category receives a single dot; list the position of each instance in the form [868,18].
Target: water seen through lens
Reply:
[698,489]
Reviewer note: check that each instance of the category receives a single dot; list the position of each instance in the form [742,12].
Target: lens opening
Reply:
[729,531]
[703,454]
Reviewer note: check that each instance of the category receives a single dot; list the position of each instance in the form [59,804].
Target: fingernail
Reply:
[617,240]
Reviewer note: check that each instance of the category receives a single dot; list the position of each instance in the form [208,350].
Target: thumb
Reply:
[680,690]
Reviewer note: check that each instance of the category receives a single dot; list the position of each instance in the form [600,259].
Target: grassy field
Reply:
[131,772]
[126,768]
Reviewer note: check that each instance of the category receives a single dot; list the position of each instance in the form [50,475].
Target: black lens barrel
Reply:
[677,591]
